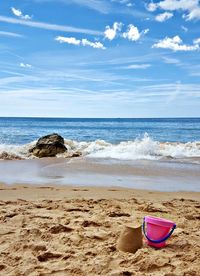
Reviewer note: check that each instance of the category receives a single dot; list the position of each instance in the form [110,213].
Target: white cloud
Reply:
[110,33]
[193,14]
[152,7]
[145,31]
[69,40]
[197,41]
[19,14]
[25,65]
[177,4]
[163,16]
[97,45]
[137,66]
[170,60]
[133,33]
[47,26]
[77,42]
[192,7]
[63,102]
[123,2]
[2,33]
[184,28]
[16,12]
[98,5]
[176,44]
[102,6]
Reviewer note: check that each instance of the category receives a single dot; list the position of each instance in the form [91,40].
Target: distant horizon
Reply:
[18,117]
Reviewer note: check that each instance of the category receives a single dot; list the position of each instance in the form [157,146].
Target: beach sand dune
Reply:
[62,230]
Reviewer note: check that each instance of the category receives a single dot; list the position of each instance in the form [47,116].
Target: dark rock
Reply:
[51,138]
[49,146]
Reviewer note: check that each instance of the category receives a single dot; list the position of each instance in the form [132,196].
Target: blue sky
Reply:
[100,58]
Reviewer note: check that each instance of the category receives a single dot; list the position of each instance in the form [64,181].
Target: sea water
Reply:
[122,139]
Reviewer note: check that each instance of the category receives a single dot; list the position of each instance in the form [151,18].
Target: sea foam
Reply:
[145,148]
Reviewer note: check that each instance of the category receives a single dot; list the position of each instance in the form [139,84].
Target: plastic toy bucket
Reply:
[157,230]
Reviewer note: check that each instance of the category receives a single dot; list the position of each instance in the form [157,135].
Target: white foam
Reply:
[17,150]
[180,150]
[145,148]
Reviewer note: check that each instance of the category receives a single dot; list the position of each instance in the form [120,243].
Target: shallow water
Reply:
[143,174]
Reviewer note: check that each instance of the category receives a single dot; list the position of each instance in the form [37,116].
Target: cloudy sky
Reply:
[100,58]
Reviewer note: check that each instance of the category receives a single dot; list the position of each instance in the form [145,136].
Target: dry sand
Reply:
[62,230]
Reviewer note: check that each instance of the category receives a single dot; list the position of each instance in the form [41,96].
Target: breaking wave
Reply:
[145,148]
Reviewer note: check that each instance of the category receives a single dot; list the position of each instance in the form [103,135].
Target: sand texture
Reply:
[73,231]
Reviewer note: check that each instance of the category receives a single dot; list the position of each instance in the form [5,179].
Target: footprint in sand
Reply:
[2,266]
[80,190]
[87,223]
[100,235]
[38,247]
[11,215]
[76,209]
[60,229]
[48,256]
[45,187]
[118,214]
[154,207]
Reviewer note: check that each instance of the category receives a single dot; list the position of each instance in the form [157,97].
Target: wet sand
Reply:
[68,230]
[139,174]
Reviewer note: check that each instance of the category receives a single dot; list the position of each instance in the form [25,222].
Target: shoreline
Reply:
[139,174]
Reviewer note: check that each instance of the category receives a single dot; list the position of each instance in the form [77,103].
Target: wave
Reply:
[16,151]
[145,148]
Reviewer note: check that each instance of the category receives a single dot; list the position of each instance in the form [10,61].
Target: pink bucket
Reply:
[157,230]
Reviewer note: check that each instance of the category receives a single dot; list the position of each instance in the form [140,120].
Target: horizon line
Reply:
[38,117]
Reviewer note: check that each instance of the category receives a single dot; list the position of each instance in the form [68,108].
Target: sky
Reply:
[100,58]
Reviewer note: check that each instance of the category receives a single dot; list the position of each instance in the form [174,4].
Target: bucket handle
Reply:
[161,240]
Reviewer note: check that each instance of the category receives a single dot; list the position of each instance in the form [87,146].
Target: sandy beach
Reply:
[68,230]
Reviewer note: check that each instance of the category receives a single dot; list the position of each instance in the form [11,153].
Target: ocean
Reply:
[122,139]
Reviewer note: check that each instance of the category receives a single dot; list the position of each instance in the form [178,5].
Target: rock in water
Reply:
[49,146]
